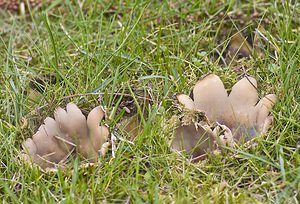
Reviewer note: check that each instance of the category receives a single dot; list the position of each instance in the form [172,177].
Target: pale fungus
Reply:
[70,130]
[234,118]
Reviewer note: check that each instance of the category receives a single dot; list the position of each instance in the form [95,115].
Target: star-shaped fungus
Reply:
[70,130]
[237,117]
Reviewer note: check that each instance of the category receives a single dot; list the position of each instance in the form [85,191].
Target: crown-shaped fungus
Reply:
[70,130]
[237,116]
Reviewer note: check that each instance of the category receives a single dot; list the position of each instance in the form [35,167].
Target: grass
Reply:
[160,48]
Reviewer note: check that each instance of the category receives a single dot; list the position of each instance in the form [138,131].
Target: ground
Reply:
[92,51]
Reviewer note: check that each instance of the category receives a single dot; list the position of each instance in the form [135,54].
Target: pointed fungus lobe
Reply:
[239,115]
[210,96]
[56,138]
[186,101]
[244,93]
[97,134]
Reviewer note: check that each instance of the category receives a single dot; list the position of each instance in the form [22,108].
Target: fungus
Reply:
[70,130]
[237,117]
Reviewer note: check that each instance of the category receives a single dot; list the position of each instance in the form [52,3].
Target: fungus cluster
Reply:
[210,119]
